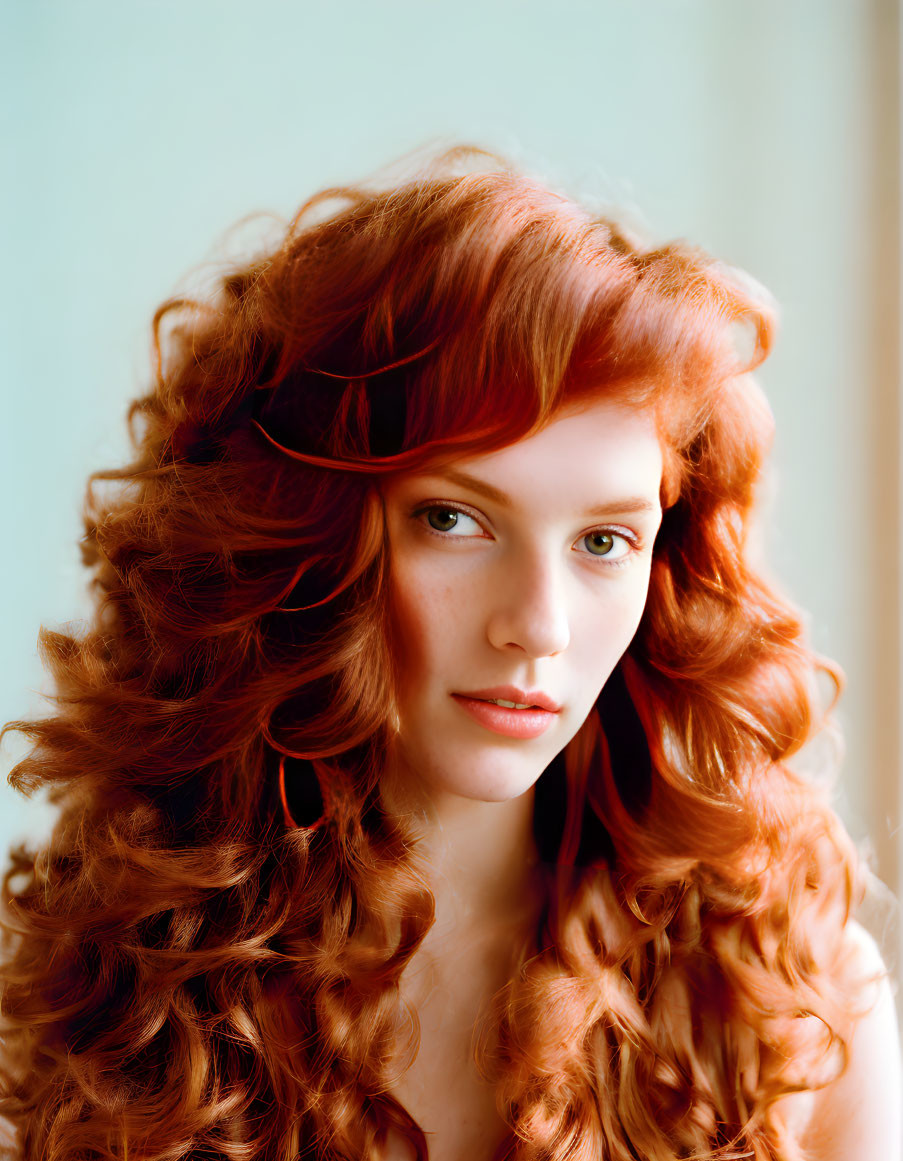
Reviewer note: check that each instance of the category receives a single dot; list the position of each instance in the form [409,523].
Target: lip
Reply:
[511,693]
[511,723]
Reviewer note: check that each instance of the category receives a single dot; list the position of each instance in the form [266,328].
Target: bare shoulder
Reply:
[859,1115]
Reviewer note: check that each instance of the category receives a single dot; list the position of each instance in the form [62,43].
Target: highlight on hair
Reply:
[184,974]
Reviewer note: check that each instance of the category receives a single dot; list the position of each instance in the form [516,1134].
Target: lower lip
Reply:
[513,723]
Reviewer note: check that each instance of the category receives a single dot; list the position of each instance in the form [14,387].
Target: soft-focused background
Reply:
[135,134]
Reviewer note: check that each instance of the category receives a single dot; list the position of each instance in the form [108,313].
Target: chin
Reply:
[493,785]
[474,773]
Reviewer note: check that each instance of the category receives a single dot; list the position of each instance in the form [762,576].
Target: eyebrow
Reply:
[612,508]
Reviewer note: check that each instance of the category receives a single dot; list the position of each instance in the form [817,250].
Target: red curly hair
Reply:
[199,966]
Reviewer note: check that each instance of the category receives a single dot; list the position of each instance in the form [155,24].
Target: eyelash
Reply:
[632,540]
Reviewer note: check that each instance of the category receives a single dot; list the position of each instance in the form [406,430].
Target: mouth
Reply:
[500,716]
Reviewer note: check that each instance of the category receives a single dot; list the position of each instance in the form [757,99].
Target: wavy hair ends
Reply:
[184,974]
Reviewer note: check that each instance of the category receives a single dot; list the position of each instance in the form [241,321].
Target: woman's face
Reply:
[525,568]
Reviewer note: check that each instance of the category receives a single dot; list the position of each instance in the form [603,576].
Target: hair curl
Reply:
[185,975]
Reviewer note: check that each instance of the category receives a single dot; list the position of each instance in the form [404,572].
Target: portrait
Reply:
[456,741]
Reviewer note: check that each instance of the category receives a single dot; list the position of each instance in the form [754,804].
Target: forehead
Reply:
[592,452]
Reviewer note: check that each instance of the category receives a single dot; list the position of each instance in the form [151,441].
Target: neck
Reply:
[481,864]
[479,858]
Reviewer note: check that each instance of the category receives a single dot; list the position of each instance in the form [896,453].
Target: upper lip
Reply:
[512,693]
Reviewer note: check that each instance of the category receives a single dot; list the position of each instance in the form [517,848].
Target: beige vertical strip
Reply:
[896,105]
[883,237]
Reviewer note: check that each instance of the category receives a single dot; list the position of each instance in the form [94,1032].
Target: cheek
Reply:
[605,627]
[429,615]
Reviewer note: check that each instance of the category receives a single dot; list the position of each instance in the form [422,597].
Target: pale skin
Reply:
[534,572]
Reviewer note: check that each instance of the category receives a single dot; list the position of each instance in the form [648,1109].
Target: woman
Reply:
[424,774]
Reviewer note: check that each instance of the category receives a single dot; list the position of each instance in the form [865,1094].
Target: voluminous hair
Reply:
[198,965]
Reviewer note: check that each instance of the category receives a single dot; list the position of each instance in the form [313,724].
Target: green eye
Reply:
[612,548]
[600,543]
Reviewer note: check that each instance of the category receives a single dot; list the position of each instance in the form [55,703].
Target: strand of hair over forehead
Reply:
[185,975]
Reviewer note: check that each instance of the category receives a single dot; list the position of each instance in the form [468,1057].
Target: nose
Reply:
[529,609]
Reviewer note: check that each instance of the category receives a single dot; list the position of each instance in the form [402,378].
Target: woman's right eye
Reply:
[445,520]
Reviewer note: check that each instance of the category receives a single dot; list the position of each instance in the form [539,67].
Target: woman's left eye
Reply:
[610,546]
